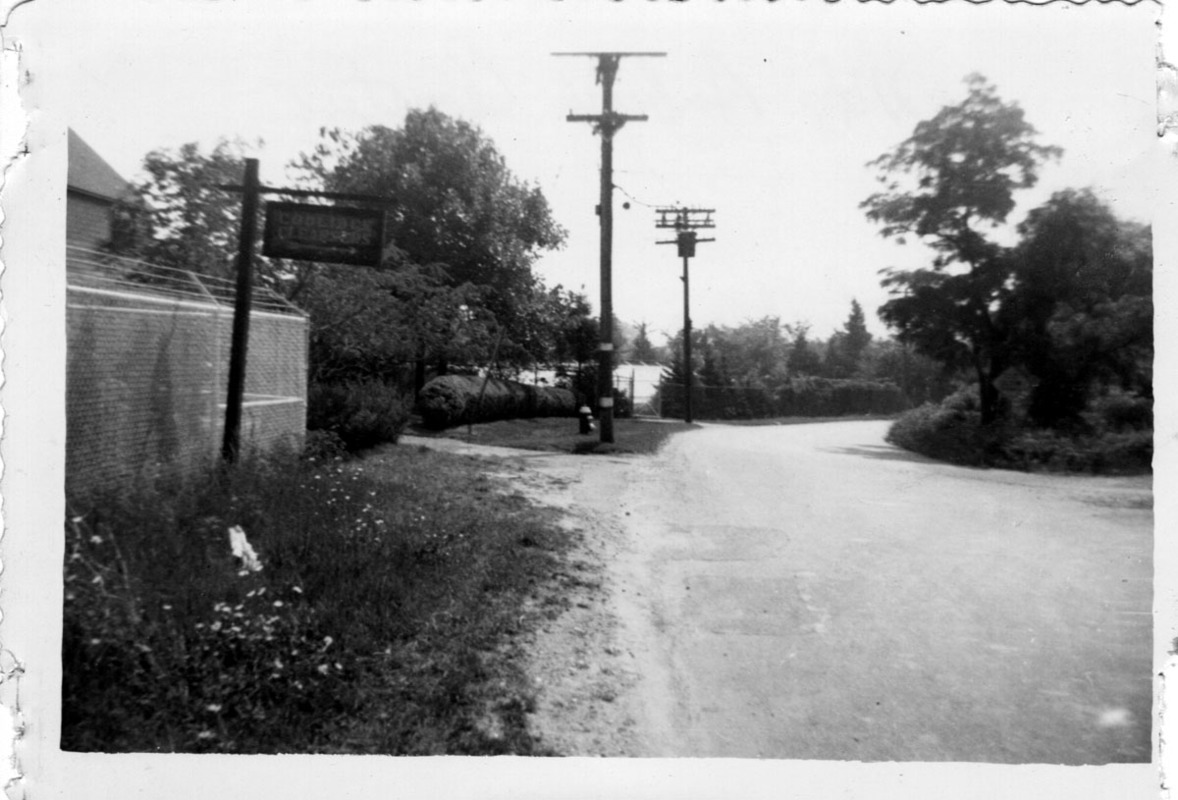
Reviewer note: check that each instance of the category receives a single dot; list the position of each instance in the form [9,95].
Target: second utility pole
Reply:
[685,221]
[607,123]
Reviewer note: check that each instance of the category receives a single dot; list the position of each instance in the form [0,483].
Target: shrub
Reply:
[323,446]
[1122,412]
[965,398]
[1110,453]
[954,434]
[942,433]
[362,413]
[461,399]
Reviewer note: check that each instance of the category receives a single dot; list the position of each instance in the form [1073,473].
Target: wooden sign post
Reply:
[331,234]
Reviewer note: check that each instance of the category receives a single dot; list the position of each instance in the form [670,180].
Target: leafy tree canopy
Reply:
[642,349]
[180,216]
[803,358]
[844,350]
[463,236]
[958,171]
[454,204]
[1080,309]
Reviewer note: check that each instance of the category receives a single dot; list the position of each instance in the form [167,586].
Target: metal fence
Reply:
[640,382]
[148,358]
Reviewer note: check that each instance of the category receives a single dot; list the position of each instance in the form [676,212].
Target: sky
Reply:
[767,113]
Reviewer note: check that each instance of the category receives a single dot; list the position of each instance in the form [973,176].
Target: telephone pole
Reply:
[686,221]
[239,344]
[607,123]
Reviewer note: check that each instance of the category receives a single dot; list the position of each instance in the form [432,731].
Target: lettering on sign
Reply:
[330,234]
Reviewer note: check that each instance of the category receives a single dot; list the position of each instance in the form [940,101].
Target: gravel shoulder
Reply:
[587,660]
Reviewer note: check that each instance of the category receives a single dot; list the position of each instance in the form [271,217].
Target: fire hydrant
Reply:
[586,419]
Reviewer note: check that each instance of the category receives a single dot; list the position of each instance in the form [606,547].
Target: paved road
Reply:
[811,592]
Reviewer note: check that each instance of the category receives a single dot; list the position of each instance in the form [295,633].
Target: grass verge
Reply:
[384,618]
[631,436]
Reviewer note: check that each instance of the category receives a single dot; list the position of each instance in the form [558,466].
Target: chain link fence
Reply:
[148,360]
[640,382]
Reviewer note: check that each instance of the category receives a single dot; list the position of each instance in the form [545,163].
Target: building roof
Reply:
[90,174]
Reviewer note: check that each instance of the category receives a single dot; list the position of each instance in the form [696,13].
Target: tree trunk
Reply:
[988,398]
[419,369]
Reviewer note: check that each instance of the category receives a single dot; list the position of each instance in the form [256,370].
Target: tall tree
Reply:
[920,378]
[463,236]
[955,174]
[455,205]
[575,343]
[803,358]
[844,350]
[181,217]
[857,337]
[754,352]
[643,350]
[1080,306]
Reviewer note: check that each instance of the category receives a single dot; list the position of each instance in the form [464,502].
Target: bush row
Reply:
[801,397]
[451,400]
[956,435]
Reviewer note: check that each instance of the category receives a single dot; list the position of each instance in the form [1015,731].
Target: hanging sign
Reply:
[332,234]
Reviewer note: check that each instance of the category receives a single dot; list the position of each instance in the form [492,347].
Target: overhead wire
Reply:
[634,199]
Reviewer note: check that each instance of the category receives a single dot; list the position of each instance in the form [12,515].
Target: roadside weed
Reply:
[381,618]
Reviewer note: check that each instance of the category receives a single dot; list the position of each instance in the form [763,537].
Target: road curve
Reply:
[811,592]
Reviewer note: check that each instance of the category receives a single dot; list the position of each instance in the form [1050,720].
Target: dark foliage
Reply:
[1117,442]
[360,413]
[955,174]
[796,397]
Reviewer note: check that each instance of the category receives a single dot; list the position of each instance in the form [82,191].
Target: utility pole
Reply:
[686,221]
[607,123]
[239,344]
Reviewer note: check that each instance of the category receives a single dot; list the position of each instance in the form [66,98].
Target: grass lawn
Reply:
[562,434]
[385,617]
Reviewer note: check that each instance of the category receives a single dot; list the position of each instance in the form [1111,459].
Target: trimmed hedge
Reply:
[451,400]
[797,397]
[832,397]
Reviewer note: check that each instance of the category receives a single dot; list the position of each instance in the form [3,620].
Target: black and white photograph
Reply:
[586,399]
